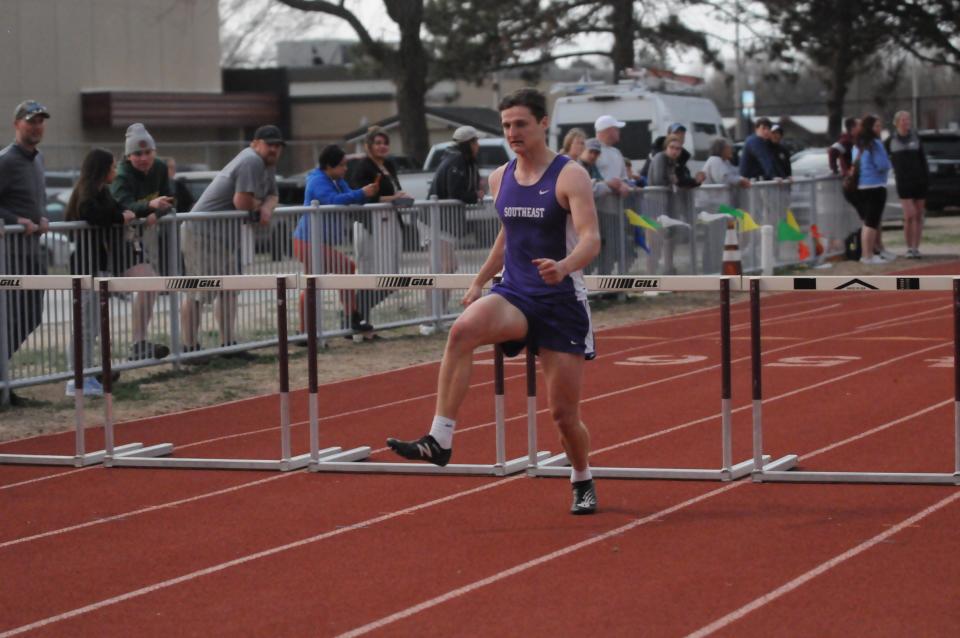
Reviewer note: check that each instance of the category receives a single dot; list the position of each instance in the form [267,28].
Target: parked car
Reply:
[943,157]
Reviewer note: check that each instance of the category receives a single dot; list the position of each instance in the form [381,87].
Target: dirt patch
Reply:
[153,391]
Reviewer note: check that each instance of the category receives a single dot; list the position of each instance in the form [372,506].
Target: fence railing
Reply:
[426,237]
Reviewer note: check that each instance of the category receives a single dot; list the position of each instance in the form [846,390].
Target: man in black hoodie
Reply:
[684,178]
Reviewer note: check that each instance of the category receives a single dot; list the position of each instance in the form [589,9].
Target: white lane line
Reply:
[252,557]
[137,512]
[820,569]
[522,567]
[386,517]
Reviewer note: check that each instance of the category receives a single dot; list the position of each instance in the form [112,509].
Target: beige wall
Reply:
[331,120]
[51,50]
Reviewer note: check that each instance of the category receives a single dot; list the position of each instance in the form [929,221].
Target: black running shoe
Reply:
[145,350]
[584,498]
[423,449]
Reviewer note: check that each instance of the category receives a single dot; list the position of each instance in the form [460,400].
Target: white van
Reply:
[647,114]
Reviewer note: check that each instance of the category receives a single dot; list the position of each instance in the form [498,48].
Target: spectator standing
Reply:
[23,201]
[719,169]
[610,163]
[326,186]
[588,159]
[874,166]
[912,174]
[663,172]
[756,159]
[142,185]
[573,143]
[840,156]
[457,177]
[780,153]
[684,178]
[378,162]
[247,183]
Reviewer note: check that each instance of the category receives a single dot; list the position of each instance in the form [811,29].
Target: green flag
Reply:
[786,232]
[730,210]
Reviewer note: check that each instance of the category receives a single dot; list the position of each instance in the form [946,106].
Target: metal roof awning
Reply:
[118,109]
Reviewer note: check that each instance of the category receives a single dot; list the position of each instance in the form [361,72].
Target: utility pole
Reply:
[738,73]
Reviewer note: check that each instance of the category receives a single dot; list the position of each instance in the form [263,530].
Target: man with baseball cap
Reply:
[457,177]
[684,178]
[249,183]
[613,170]
[23,202]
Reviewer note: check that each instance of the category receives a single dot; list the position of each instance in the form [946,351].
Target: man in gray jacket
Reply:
[23,202]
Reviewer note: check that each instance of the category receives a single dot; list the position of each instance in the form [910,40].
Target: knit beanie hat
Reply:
[138,139]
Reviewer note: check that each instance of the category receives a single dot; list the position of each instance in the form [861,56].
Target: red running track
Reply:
[117,552]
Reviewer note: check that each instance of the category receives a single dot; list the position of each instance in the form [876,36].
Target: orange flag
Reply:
[802,251]
[818,245]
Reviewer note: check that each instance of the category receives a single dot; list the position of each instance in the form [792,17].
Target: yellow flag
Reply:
[747,224]
[792,221]
[638,220]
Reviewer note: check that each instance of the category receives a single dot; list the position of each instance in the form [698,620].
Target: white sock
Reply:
[442,431]
[580,475]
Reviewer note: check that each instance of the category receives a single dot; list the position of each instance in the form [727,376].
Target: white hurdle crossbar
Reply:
[347,461]
[140,458]
[77,285]
[775,473]
[558,466]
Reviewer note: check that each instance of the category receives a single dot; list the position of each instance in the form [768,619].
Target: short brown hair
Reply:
[528,97]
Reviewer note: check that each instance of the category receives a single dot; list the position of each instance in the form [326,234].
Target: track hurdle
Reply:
[332,463]
[280,283]
[77,285]
[558,466]
[774,473]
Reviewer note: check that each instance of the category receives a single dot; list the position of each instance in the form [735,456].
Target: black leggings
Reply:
[870,205]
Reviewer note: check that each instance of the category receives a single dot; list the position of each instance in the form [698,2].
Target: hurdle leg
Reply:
[725,384]
[79,420]
[956,380]
[498,405]
[532,451]
[283,363]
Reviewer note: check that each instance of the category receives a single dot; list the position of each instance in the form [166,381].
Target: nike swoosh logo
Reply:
[545,192]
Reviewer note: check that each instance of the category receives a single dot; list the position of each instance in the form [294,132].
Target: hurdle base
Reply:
[77,460]
[513,466]
[147,458]
[344,456]
[914,478]
[558,467]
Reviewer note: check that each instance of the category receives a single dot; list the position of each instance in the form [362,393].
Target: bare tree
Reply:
[249,30]
[407,65]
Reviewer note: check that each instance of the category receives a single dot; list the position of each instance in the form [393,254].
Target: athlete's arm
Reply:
[575,193]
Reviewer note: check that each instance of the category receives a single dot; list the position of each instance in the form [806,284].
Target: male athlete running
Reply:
[548,235]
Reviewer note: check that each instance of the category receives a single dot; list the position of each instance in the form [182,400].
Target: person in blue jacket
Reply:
[756,158]
[327,186]
[871,161]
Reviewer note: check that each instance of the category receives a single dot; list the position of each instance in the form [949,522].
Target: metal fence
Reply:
[427,237]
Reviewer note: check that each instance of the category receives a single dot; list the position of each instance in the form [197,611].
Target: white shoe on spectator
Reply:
[91,388]
[427,329]
[873,261]
[886,254]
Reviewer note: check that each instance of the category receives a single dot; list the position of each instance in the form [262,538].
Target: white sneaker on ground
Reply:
[427,329]
[886,254]
[91,388]
[875,260]
[913,253]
